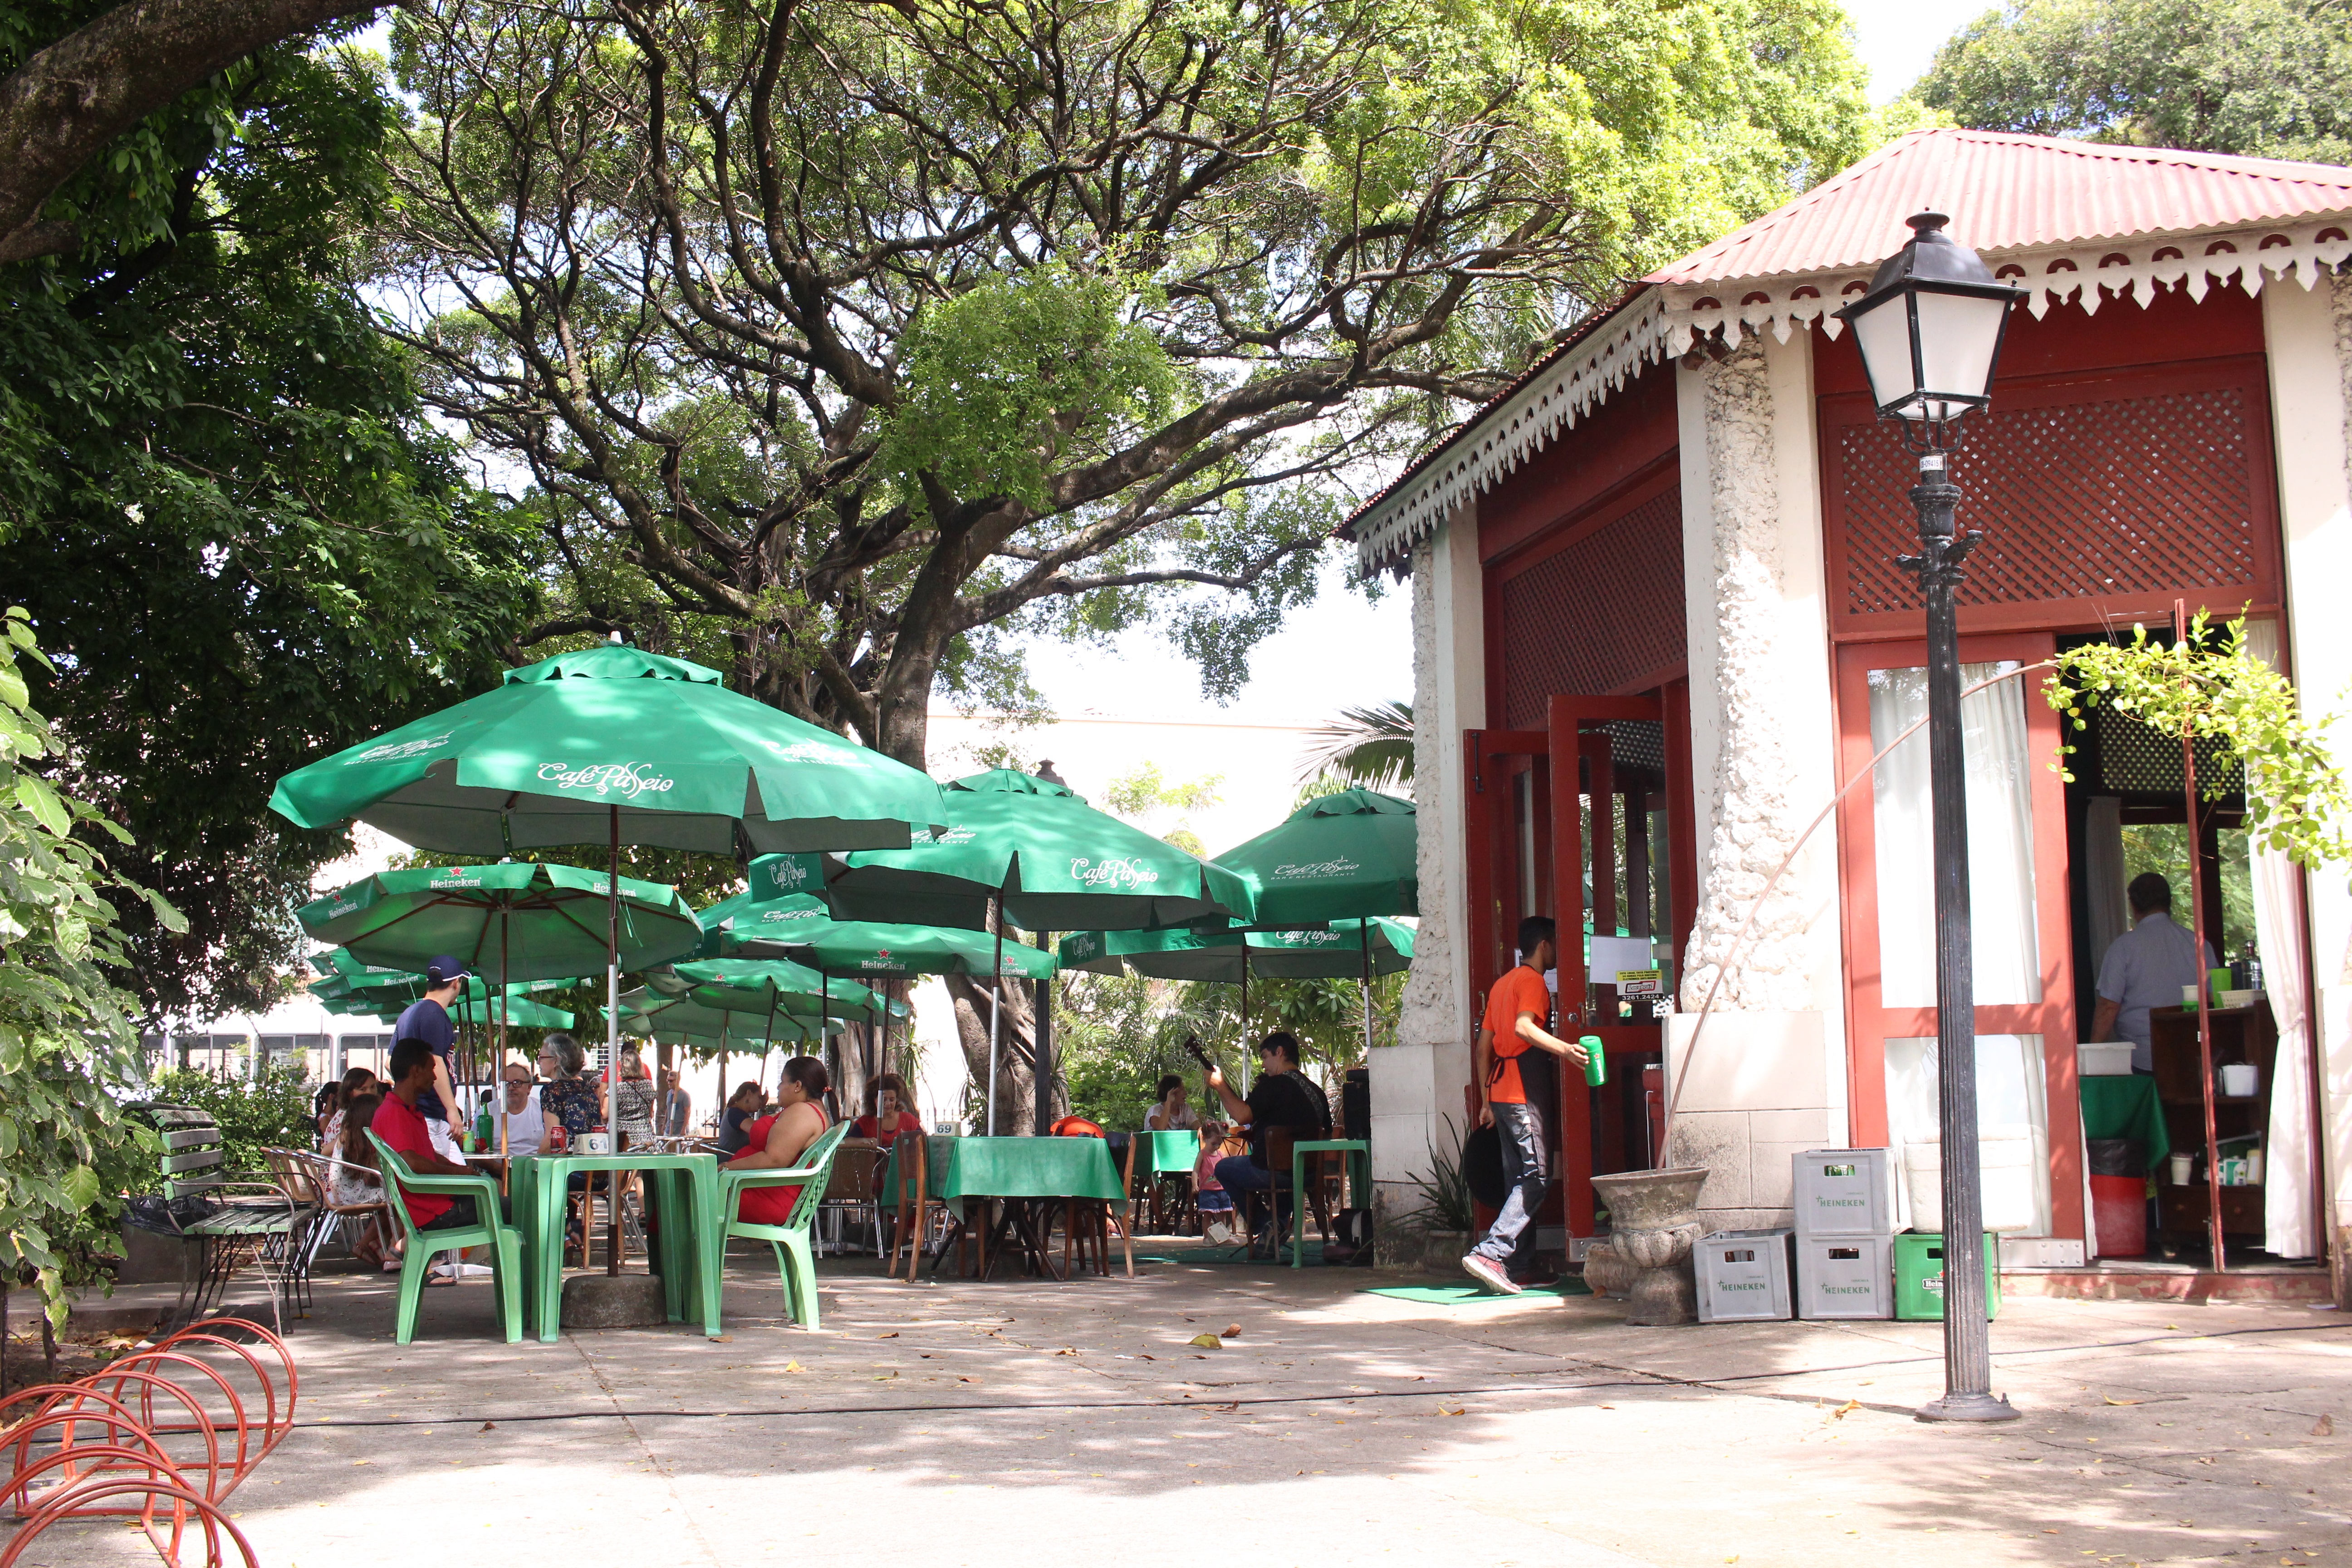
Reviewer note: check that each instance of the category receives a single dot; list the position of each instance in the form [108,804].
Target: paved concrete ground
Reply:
[1023,1423]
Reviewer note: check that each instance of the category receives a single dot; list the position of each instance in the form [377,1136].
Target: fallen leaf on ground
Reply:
[967,1380]
[2112,1400]
[2324,1428]
[1065,1351]
[1233,1330]
[795,1366]
[722,1339]
[1443,1410]
[1841,1411]
[891,1335]
[884,1376]
[490,1426]
[1205,1341]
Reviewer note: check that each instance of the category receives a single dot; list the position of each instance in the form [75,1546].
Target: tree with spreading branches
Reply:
[861,347]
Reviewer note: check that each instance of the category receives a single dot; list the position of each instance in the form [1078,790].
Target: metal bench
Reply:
[249,1219]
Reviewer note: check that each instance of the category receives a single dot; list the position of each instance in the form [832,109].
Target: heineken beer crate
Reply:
[1845,1277]
[1744,1276]
[1843,1191]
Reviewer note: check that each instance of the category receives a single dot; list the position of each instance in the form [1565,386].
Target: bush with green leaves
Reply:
[68,1043]
[274,1113]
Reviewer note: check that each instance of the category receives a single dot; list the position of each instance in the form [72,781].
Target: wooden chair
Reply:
[918,1203]
[1280,1152]
[851,1190]
[1165,1161]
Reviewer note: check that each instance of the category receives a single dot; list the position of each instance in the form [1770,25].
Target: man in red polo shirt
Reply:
[1518,1009]
[403,1127]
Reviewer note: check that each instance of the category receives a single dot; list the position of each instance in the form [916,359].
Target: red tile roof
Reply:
[2007,192]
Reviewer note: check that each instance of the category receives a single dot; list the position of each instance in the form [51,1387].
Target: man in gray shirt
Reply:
[2146,967]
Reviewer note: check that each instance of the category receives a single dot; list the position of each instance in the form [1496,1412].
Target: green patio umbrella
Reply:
[615,744]
[1341,857]
[518,921]
[798,926]
[550,756]
[1335,953]
[1354,950]
[1049,861]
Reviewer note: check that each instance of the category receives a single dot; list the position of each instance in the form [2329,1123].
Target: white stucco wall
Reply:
[1768,1079]
[2309,338]
[1417,1082]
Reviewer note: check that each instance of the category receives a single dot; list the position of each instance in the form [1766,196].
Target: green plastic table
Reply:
[1357,1152]
[686,1189]
[1069,1168]
[2120,1105]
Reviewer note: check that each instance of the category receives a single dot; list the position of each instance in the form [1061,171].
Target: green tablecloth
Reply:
[2119,1105]
[685,1190]
[1027,1168]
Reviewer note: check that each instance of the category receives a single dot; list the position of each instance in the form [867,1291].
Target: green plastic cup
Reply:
[1596,1061]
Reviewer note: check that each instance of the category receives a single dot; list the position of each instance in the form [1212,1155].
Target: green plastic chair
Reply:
[795,1260]
[504,1241]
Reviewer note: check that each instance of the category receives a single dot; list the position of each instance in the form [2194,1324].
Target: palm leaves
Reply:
[1367,747]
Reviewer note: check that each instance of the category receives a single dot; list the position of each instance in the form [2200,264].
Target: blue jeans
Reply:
[1240,1176]
[1511,1241]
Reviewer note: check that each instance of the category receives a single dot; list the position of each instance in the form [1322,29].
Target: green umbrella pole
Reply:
[1364,986]
[996,1005]
[613,1046]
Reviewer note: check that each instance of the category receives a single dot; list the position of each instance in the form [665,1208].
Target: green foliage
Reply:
[1071,317]
[1146,798]
[67,1042]
[2163,848]
[2206,688]
[221,504]
[274,1113]
[2263,77]
[1023,371]
[1444,1192]
[1364,747]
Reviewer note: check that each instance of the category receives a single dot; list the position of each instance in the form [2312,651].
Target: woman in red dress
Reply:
[891,1115]
[778,1141]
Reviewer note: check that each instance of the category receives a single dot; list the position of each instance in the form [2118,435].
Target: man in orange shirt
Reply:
[1518,1009]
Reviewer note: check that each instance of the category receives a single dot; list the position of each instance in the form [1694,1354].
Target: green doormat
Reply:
[1471,1295]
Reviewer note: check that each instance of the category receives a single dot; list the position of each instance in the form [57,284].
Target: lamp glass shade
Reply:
[1882,330]
[1959,335]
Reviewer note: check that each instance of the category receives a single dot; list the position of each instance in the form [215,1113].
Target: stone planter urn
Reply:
[1653,1224]
[1606,1273]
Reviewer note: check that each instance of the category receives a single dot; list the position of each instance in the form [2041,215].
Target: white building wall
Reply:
[1767,1077]
[1417,1083]
[2308,335]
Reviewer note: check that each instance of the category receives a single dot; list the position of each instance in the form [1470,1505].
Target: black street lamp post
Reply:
[1929,329]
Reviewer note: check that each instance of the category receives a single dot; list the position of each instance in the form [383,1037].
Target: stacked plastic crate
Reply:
[1845,1200]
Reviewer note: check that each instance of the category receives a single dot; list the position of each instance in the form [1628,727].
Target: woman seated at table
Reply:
[779,1140]
[743,1106]
[1171,1113]
[890,1116]
[569,1106]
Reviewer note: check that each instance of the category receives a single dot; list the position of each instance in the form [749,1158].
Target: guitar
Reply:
[1194,1049]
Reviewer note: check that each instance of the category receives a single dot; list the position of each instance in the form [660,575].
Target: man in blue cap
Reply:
[427,1019]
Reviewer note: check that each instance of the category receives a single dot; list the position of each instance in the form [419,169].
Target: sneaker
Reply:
[1489,1274]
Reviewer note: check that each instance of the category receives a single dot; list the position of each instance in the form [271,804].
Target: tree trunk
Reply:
[1016,1078]
[80,92]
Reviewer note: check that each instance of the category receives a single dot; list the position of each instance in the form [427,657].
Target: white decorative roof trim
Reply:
[1499,440]
[1663,322]
[2134,267]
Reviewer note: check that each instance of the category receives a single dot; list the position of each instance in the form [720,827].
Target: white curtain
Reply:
[1999,770]
[2012,1090]
[2103,873]
[2278,933]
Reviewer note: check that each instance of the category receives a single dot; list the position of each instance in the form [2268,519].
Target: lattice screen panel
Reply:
[1595,614]
[2135,760]
[2084,500]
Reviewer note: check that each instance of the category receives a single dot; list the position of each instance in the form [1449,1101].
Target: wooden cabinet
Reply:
[2240,1034]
